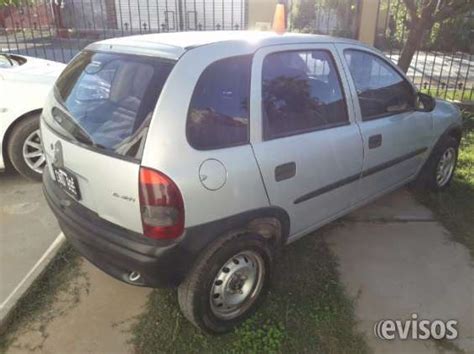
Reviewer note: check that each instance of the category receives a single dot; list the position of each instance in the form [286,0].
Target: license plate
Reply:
[67,181]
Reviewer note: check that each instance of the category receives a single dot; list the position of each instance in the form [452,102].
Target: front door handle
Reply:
[285,171]
[375,141]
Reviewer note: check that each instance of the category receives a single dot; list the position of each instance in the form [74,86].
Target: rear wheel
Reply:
[227,283]
[25,150]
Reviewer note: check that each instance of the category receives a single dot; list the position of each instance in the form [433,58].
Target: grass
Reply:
[40,305]
[306,311]
[454,207]
[451,94]
[446,346]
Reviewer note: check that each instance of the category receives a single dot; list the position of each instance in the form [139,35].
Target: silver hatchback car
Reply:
[190,159]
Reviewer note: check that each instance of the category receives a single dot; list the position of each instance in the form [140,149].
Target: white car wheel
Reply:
[33,152]
[24,148]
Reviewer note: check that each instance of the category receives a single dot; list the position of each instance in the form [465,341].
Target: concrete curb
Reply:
[12,300]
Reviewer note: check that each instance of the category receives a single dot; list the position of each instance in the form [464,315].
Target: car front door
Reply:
[396,136]
[304,136]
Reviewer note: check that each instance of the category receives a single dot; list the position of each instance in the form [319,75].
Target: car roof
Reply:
[173,45]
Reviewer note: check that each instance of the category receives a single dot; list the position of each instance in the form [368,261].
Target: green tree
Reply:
[304,15]
[454,34]
[423,15]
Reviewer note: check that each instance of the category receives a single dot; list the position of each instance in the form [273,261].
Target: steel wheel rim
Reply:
[237,285]
[33,154]
[445,167]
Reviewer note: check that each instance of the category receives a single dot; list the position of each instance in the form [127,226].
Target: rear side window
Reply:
[106,100]
[301,92]
[218,115]
[381,90]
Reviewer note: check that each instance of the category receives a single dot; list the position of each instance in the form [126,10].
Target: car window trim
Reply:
[59,103]
[392,66]
[385,115]
[306,131]
[223,146]
[266,136]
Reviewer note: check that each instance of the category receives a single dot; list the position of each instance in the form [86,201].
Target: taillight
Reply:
[161,205]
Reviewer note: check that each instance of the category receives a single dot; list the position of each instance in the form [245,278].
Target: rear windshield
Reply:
[106,100]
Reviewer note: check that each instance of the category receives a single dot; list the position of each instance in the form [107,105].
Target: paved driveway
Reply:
[396,260]
[27,230]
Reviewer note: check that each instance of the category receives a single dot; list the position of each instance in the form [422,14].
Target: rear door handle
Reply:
[285,171]
[375,141]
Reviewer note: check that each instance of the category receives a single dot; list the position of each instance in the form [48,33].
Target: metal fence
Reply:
[444,64]
[58,29]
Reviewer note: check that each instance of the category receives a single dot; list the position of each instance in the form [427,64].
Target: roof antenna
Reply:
[279,18]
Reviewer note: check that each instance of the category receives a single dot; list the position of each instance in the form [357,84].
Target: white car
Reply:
[24,85]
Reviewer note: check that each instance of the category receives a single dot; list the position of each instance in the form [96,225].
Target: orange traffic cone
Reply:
[279,23]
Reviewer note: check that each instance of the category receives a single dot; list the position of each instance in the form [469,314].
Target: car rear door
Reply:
[396,136]
[94,128]
[303,133]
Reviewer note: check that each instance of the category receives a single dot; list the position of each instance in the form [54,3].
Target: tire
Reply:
[429,177]
[25,130]
[194,293]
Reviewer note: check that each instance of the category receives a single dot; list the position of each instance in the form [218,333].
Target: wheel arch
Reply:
[271,222]
[454,132]
[11,128]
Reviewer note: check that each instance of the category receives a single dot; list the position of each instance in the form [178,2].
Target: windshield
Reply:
[106,100]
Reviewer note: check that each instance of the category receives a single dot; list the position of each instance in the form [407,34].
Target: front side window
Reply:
[380,88]
[301,92]
[106,100]
[218,115]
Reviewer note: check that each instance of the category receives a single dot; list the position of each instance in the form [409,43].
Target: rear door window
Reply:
[106,100]
[219,111]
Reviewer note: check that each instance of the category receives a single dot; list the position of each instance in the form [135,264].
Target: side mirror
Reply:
[424,102]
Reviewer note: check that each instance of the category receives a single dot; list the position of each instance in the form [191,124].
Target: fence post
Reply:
[368,20]
[261,14]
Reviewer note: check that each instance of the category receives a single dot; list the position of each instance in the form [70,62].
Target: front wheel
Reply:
[438,172]
[227,283]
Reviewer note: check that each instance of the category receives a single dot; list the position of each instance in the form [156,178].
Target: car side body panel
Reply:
[446,117]
[327,161]
[168,151]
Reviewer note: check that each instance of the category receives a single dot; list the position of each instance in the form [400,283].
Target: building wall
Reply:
[368,21]
[34,16]
[261,14]
[85,16]
[188,15]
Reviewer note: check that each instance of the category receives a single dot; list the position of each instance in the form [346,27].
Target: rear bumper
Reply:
[118,251]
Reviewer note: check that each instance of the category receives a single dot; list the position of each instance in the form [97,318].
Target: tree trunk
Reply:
[412,44]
